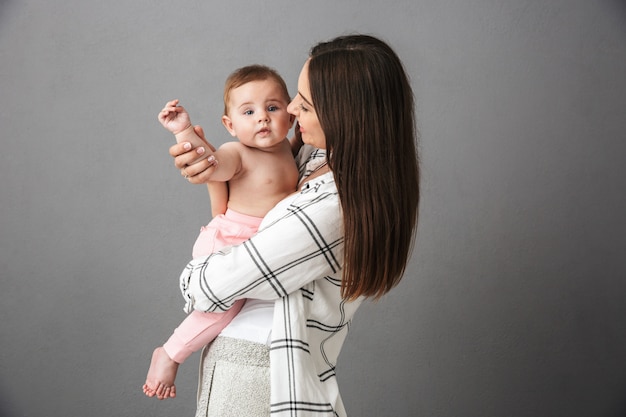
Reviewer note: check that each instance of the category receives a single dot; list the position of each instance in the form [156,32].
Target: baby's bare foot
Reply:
[161,376]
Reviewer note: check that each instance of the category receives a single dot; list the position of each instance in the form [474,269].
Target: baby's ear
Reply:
[228,124]
[292,118]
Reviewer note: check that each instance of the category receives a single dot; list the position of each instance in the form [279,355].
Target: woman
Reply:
[346,235]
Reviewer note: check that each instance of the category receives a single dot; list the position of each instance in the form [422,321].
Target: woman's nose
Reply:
[292,108]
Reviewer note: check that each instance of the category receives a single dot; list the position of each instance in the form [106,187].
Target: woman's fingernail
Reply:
[187,145]
[212,160]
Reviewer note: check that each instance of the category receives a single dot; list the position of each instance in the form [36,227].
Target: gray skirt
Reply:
[234,379]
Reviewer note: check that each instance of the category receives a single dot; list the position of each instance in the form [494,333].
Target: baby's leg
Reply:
[197,330]
[161,376]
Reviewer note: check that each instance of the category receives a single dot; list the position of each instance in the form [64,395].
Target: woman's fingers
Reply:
[195,164]
[184,155]
[179,149]
[200,132]
[200,171]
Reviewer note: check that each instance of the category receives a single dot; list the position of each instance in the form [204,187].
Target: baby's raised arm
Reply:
[225,162]
[192,162]
[176,119]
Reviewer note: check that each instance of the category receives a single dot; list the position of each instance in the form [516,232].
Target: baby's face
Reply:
[257,114]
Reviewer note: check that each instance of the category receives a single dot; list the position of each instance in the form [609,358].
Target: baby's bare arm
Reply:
[218,193]
[176,119]
[228,159]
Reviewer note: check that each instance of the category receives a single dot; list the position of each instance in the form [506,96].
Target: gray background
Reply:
[514,301]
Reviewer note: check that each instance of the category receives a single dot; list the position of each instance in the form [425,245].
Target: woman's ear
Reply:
[228,124]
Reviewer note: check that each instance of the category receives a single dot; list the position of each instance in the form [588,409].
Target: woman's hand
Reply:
[192,164]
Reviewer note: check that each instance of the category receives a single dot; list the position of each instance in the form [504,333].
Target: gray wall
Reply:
[514,301]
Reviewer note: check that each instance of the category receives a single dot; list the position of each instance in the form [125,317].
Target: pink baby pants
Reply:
[200,328]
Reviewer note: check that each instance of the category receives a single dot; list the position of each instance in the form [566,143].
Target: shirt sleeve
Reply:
[302,244]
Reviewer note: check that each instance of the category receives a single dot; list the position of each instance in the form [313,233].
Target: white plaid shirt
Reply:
[294,259]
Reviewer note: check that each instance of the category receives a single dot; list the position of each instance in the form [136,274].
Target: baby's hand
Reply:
[174,117]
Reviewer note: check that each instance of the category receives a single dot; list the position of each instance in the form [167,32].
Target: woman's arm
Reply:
[302,244]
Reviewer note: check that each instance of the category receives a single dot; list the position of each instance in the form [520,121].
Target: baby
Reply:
[248,178]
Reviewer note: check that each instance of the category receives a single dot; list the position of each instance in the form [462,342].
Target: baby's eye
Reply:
[248,112]
[272,108]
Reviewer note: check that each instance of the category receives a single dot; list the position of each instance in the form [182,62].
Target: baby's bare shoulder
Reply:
[233,146]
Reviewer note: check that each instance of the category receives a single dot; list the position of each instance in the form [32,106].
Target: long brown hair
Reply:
[364,103]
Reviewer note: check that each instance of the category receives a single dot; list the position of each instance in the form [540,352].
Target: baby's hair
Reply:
[251,73]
